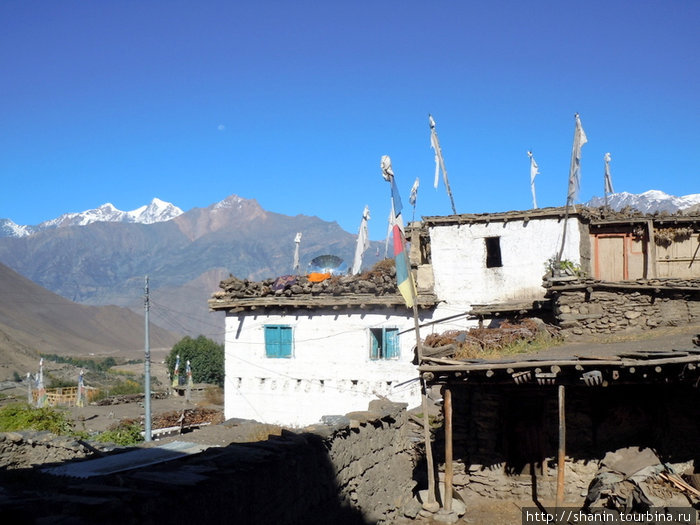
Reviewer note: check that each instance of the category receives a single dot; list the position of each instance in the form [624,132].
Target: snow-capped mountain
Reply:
[648,202]
[156,211]
[9,228]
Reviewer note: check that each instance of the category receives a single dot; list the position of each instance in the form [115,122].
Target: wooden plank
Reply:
[447,408]
[317,301]
[430,505]
[497,365]
[561,456]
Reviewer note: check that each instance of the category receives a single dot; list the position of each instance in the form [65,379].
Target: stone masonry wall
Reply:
[594,307]
[499,431]
[24,449]
[353,469]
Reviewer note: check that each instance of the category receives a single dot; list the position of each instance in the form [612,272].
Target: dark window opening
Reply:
[493,252]
[384,343]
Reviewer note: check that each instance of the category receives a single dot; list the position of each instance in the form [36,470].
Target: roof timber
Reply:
[676,366]
[309,302]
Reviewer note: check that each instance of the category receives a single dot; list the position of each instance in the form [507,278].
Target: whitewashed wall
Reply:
[330,372]
[459,260]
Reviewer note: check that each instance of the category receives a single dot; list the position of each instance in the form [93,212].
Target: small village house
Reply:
[307,350]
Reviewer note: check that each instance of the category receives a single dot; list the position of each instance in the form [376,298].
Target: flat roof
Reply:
[666,359]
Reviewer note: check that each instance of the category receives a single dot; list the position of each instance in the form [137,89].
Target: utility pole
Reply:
[147,369]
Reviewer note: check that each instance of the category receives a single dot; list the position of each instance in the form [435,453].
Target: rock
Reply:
[412,509]
[15,437]
[444,516]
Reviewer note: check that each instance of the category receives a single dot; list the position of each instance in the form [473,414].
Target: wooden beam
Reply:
[447,408]
[429,505]
[451,365]
[561,456]
[651,251]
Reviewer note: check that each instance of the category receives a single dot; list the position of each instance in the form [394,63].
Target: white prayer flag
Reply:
[439,162]
[362,242]
[436,147]
[297,241]
[575,168]
[388,174]
[534,171]
[608,178]
[414,192]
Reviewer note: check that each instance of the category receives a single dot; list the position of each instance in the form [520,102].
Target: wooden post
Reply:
[651,251]
[561,459]
[430,505]
[447,407]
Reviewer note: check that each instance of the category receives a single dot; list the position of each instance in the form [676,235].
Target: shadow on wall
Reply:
[513,429]
[354,472]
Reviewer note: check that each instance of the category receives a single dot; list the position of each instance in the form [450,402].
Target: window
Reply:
[278,340]
[493,252]
[384,343]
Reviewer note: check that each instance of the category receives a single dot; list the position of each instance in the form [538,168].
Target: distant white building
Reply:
[296,356]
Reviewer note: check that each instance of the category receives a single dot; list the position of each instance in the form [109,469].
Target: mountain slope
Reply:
[33,319]
[105,262]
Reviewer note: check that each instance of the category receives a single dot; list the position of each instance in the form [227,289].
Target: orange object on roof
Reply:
[316,277]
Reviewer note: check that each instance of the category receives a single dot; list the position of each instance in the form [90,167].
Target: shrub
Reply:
[206,359]
[121,434]
[21,416]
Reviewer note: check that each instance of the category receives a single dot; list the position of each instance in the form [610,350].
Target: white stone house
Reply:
[494,259]
[293,357]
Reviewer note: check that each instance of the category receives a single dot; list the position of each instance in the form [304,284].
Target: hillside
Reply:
[34,320]
[105,262]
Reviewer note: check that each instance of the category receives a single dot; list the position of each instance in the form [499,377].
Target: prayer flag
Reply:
[362,242]
[388,174]
[80,401]
[297,241]
[188,372]
[534,171]
[575,168]
[414,192]
[404,278]
[608,178]
[439,161]
[176,372]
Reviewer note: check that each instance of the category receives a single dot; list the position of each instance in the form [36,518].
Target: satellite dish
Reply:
[328,264]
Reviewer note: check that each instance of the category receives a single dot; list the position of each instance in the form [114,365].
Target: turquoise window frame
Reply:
[384,343]
[278,341]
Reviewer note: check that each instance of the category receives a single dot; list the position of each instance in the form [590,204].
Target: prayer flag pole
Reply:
[439,162]
[574,176]
[407,288]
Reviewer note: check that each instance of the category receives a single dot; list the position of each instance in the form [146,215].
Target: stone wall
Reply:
[501,431]
[24,449]
[353,469]
[585,306]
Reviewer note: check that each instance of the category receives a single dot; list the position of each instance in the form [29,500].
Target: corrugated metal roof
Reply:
[129,460]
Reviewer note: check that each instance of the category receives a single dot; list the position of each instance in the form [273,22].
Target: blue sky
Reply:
[294,103]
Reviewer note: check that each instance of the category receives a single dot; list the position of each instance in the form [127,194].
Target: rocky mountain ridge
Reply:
[156,211]
[651,201]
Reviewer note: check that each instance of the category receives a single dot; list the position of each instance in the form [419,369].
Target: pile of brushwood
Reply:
[128,398]
[185,418]
[508,337]
[380,280]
